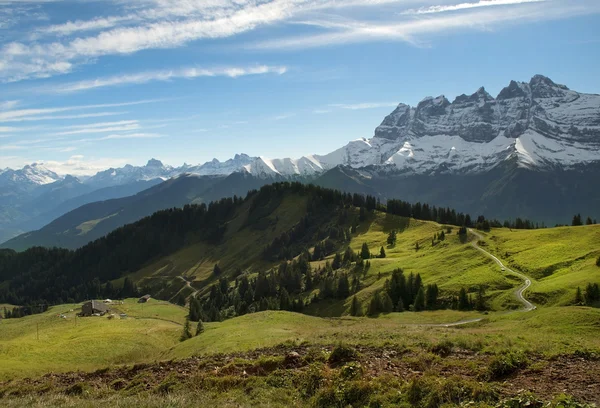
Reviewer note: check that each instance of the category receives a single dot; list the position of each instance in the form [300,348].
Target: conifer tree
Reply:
[186,333]
[355,307]
[337,262]
[576,220]
[343,287]
[284,300]
[386,303]
[400,306]
[364,252]
[199,328]
[419,301]
[578,296]
[374,305]
[480,302]
[382,253]
[216,270]
[463,300]
[391,239]
[589,221]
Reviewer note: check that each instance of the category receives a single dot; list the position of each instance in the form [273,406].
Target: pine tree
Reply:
[386,303]
[382,253]
[374,305]
[337,262]
[391,239]
[199,328]
[589,221]
[419,301]
[284,300]
[343,287]
[442,236]
[355,307]
[417,246]
[364,252]
[186,333]
[576,220]
[216,270]
[480,302]
[578,296]
[463,300]
[400,306]
[431,295]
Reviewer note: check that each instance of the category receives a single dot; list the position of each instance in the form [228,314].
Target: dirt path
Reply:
[527,305]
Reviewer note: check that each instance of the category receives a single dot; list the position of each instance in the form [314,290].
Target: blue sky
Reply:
[85,85]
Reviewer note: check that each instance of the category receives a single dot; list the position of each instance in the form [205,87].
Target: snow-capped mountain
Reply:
[32,174]
[215,167]
[541,124]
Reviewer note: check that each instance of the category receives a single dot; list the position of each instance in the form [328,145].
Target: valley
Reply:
[267,355]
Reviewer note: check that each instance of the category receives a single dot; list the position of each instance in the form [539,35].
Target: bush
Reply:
[342,354]
[506,364]
[351,371]
[443,348]
[308,383]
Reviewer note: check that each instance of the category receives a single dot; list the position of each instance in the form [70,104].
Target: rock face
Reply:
[540,123]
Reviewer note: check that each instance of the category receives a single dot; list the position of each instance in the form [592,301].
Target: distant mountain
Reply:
[91,221]
[477,153]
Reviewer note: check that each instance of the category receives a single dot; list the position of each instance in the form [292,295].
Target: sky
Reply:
[91,84]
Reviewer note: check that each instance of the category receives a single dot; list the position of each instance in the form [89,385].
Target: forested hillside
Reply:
[321,217]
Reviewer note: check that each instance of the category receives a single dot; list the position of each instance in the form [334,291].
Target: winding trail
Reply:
[527,305]
[187,284]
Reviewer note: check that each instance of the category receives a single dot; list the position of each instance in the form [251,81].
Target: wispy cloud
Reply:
[414,28]
[163,24]
[5,105]
[185,73]
[464,6]
[43,113]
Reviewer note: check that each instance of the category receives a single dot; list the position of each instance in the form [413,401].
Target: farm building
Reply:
[93,307]
[144,299]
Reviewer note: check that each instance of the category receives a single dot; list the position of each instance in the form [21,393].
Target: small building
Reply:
[144,299]
[93,307]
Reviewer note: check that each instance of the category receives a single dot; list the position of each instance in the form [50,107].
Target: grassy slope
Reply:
[241,249]
[559,259]
[153,331]
[87,343]
[450,263]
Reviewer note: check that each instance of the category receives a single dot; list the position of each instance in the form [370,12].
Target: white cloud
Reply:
[411,29]
[71,27]
[8,105]
[464,6]
[132,136]
[43,113]
[186,73]
[79,165]
[90,130]
[161,24]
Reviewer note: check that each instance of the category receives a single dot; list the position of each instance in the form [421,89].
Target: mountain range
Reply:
[532,151]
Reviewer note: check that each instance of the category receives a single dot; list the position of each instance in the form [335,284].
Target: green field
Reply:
[558,260]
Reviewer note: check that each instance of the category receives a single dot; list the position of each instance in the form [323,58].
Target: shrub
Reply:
[506,364]
[342,354]
[351,371]
[308,383]
[443,348]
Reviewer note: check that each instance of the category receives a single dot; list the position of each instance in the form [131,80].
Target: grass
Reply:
[559,259]
[451,264]
[42,343]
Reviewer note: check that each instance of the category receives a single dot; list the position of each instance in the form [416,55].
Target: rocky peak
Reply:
[544,87]
[154,163]
[513,90]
